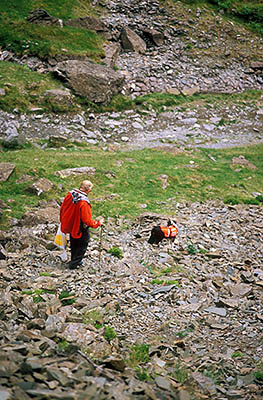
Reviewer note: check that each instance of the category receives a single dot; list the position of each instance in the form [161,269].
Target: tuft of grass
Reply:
[180,373]
[139,354]
[258,375]
[237,354]
[142,374]
[109,333]
[66,298]
[37,294]
[95,318]
[116,252]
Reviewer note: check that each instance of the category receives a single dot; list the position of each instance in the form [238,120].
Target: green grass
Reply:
[24,88]
[109,333]
[139,353]
[23,37]
[115,251]
[136,182]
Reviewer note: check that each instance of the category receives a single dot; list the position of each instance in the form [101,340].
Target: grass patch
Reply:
[66,298]
[37,294]
[24,89]
[135,183]
[247,12]
[237,354]
[116,252]
[109,333]
[22,37]
[95,318]
[180,373]
[139,354]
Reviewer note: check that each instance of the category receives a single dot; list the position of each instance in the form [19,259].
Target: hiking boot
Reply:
[76,266]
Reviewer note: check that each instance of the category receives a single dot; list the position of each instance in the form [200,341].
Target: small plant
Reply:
[45,274]
[116,252]
[109,333]
[142,374]
[63,345]
[172,282]
[37,294]
[258,375]
[184,333]
[191,249]
[95,318]
[237,354]
[180,373]
[66,298]
[139,354]
[157,281]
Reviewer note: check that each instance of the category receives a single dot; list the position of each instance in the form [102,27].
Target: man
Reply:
[75,219]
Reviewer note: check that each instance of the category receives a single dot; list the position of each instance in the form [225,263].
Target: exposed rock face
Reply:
[59,96]
[90,23]
[112,51]
[41,17]
[6,170]
[76,171]
[96,82]
[48,213]
[41,186]
[131,41]
[155,36]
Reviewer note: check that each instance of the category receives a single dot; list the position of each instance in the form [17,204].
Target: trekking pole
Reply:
[100,243]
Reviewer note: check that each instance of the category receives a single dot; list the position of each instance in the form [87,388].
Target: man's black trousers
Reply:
[78,248]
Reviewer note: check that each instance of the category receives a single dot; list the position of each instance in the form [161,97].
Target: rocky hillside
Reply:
[175,322]
[150,47]
[181,321]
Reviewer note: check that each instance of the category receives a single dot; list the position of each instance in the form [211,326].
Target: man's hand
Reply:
[101,220]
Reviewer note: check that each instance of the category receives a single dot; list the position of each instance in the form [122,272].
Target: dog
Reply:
[158,233]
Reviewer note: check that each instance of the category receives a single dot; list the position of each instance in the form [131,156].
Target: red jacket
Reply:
[75,211]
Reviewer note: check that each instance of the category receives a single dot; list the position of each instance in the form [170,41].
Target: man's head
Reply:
[86,186]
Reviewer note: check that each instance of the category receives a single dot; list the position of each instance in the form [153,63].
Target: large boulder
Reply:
[41,17]
[154,36]
[131,41]
[48,213]
[97,83]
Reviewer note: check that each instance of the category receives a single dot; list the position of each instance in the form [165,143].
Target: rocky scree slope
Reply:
[198,49]
[185,320]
